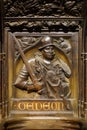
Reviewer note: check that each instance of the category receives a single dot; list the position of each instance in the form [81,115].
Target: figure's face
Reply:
[48,52]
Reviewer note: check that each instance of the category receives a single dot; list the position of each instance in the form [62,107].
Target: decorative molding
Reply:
[43,25]
[52,122]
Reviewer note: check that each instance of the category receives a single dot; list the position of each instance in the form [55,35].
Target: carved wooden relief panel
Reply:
[45,58]
[43,73]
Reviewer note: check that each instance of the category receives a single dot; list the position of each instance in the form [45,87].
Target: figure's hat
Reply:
[46,41]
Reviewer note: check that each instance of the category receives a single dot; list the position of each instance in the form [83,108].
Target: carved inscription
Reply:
[38,105]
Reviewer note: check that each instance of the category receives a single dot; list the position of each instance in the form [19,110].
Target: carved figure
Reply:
[50,71]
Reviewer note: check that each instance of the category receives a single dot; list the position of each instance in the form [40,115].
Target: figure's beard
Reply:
[49,56]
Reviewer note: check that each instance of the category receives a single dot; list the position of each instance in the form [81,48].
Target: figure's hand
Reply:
[30,88]
[35,87]
[38,86]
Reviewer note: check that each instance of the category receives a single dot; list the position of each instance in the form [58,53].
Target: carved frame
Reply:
[6,93]
[74,36]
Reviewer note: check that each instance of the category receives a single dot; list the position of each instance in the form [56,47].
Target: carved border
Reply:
[11,60]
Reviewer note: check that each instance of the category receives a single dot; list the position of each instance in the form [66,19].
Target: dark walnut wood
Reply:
[43,8]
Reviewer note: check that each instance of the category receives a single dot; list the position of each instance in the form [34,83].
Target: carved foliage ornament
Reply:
[37,26]
[15,8]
